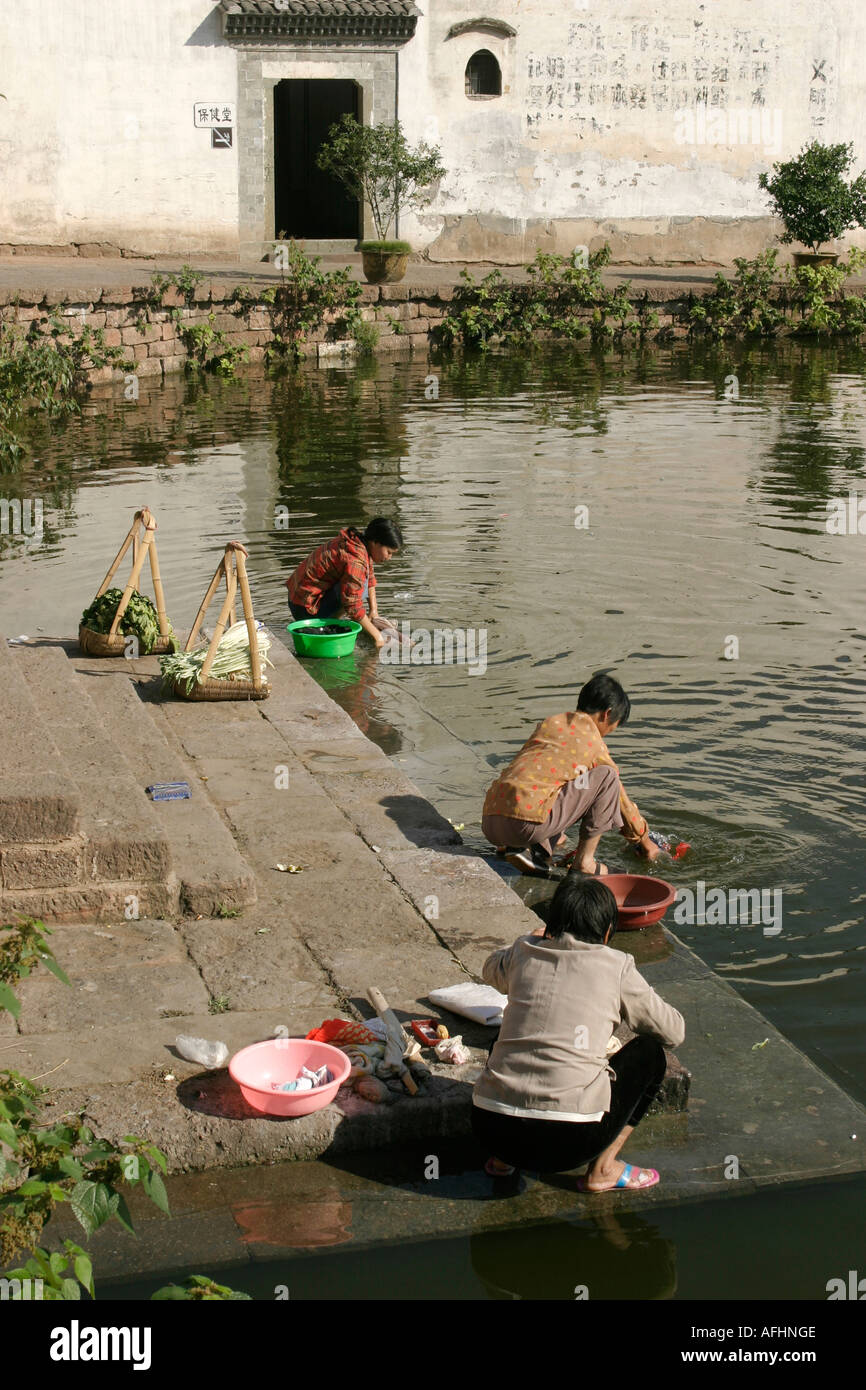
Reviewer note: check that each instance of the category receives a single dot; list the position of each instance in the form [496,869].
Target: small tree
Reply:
[375,163]
[812,197]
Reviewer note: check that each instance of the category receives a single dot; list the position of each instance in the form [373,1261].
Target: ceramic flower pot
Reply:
[383,266]
[815,258]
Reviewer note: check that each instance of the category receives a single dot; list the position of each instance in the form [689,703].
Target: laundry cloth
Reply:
[480,1003]
[306,1081]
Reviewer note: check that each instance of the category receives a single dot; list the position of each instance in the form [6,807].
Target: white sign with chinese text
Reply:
[211,113]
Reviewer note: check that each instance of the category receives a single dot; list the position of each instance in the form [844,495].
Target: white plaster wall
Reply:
[600,115]
[97,141]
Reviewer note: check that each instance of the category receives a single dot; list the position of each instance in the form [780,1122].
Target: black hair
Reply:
[583,907]
[384,532]
[603,693]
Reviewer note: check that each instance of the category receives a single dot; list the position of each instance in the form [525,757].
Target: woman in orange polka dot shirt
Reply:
[564,774]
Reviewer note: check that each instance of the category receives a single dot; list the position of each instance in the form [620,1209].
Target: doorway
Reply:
[309,204]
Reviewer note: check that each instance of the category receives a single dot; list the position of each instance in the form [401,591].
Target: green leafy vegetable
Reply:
[139,620]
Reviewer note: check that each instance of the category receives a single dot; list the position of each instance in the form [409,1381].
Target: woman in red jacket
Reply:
[337,580]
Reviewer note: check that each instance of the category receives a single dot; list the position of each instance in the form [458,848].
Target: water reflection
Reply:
[614,1255]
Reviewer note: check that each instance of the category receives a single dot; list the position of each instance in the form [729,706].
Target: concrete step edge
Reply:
[92,902]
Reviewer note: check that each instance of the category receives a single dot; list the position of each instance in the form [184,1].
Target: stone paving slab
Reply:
[38,801]
[361,1201]
[258,966]
[136,971]
[210,870]
[134,1057]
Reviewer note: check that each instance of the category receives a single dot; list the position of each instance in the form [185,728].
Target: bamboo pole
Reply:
[115,564]
[231,590]
[246,599]
[205,604]
[157,589]
[138,563]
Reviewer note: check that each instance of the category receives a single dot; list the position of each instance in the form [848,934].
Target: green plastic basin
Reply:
[310,642]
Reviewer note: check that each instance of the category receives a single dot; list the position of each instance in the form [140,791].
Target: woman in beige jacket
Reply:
[551,1097]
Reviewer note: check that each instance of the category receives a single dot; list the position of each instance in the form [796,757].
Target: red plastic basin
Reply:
[641,900]
[255,1068]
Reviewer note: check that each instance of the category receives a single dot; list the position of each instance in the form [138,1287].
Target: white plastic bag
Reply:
[212,1055]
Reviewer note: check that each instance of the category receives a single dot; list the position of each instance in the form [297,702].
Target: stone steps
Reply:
[38,802]
[212,874]
[99,848]
[123,840]
[92,902]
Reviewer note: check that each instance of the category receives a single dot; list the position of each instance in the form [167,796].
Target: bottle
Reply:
[212,1055]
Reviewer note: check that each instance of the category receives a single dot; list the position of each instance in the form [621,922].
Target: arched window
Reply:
[483,75]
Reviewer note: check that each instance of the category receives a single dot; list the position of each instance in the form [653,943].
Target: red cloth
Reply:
[345,561]
[341,1032]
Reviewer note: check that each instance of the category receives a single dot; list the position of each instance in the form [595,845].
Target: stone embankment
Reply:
[157,331]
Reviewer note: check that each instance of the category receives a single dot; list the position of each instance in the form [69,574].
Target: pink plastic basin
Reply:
[281,1059]
[641,900]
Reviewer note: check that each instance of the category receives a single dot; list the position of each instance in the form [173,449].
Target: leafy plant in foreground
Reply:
[47,1165]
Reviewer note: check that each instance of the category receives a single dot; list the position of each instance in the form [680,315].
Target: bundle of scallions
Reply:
[232,660]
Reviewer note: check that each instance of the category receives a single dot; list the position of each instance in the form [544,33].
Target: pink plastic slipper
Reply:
[649,1174]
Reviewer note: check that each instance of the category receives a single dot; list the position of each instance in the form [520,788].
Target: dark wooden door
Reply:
[307,202]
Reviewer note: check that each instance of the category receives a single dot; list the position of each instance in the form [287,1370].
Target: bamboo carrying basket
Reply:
[232,567]
[113,642]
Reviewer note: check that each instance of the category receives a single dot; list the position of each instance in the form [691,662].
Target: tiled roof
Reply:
[319,19]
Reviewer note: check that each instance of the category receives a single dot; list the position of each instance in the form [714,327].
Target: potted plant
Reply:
[814,199]
[376,164]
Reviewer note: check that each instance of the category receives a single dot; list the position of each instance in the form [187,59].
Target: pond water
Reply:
[661,515]
[675,1253]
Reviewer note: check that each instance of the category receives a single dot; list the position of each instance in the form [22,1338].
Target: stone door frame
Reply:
[259,71]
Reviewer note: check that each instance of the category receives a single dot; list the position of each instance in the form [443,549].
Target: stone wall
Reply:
[152,341]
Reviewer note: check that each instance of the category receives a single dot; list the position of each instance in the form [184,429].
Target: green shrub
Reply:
[812,196]
[763,300]
[366,336]
[559,299]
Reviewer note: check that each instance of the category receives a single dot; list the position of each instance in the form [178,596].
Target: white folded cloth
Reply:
[481,1003]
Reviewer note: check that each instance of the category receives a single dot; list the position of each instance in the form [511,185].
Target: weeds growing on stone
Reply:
[561,298]
[766,300]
